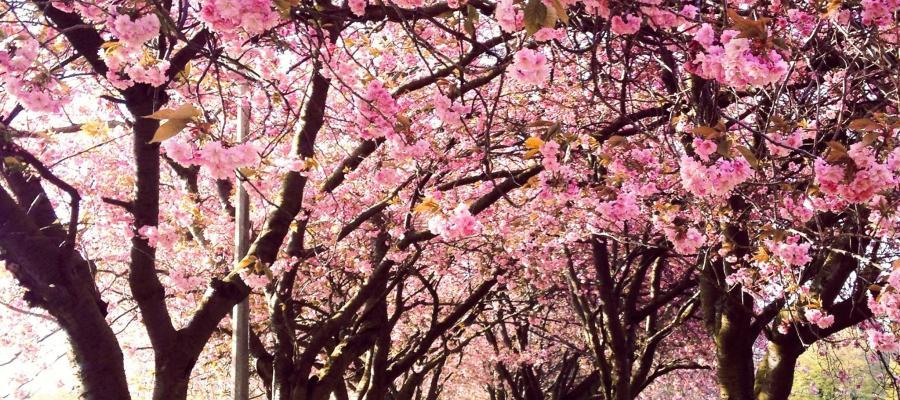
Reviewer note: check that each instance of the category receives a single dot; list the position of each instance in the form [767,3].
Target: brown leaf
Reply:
[749,28]
[724,148]
[836,151]
[185,111]
[535,15]
[863,125]
[706,132]
[560,12]
[870,138]
[427,206]
[615,140]
[748,155]
[170,128]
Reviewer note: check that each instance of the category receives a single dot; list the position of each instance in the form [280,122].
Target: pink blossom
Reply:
[221,161]
[882,341]
[448,112]
[358,7]
[796,210]
[184,281]
[24,54]
[136,32]
[154,75]
[865,183]
[179,151]
[623,209]
[660,18]
[377,110]
[893,161]
[827,176]
[547,34]
[894,279]
[620,27]
[530,66]
[460,224]
[689,11]
[686,242]
[791,251]
[229,16]
[255,281]
[818,318]
[148,233]
[715,181]
[879,12]
[735,62]
[550,151]
[706,35]
[597,7]
[704,148]
[508,16]
[39,97]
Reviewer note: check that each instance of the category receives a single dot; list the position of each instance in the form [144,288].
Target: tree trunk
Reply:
[62,284]
[97,352]
[735,372]
[173,373]
[775,376]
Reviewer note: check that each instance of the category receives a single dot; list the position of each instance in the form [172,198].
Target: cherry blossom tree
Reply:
[462,199]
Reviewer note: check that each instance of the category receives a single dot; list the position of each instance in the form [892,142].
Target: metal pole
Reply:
[240,315]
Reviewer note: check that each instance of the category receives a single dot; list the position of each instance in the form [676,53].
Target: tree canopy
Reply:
[513,199]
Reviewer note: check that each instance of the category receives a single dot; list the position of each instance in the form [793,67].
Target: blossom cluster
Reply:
[509,17]
[735,61]
[886,305]
[229,17]
[126,57]
[713,181]
[530,67]
[460,224]
[133,33]
[856,183]
[817,317]
[219,160]
[377,111]
[685,241]
[619,211]
[879,12]
[791,251]
[628,25]
[24,80]
[448,112]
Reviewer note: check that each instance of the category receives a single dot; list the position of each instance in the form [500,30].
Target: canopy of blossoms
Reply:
[531,199]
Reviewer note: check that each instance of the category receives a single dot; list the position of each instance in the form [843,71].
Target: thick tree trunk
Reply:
[63,286]
[586,389]
[735,372]
[96,351]
[173,374]
[729,324]
[775,376]
[170,384]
